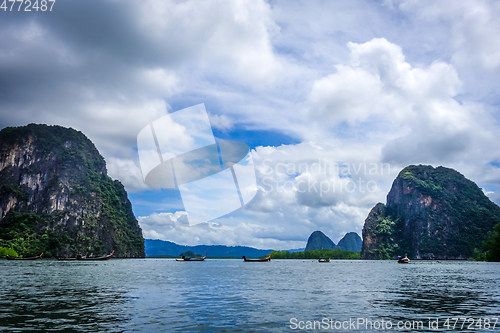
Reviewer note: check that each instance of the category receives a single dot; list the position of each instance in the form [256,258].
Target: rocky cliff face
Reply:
[373,238]
[431,213]
[56,198]
[319,241]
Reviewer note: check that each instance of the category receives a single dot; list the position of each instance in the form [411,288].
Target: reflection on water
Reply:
[230,295]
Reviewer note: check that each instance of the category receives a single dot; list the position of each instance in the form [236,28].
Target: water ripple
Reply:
[233,296]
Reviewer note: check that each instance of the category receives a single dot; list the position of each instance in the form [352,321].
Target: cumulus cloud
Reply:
[127,172]
[102,75]
[378,82]
[232,38]
[473,27]
[379,85]
[463,33]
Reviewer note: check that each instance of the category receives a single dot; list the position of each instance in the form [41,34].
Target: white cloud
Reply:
[494,196]
[127,172]
[220,122]
[161,82]
[473,26]
[379,85]
[223,39]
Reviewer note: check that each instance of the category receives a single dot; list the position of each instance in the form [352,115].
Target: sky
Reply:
[334,99]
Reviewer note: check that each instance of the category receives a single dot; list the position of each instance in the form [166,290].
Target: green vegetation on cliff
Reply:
[385,230]
[491,246]
[5,252]
[18,231]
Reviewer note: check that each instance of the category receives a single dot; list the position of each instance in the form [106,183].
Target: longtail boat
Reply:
[27,258]
[404,260]
[257,260]
[192,259]
[107,257]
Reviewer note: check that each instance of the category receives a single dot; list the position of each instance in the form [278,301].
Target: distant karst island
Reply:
[319,241]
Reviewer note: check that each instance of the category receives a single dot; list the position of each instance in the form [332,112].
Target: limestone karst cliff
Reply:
[319,241]
[431,213]
[350,242]
[56,197]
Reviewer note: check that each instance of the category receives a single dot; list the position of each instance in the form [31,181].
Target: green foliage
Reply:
[386,251]
[7,252]
[491,246]
[19,233]
[316,254]
[14,189]
[190,254]
[385,231]
[48,139]
[384,228]
[117,212]
[428,187]
[479,256]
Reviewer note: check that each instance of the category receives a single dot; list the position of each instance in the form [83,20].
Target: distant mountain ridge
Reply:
[156,247]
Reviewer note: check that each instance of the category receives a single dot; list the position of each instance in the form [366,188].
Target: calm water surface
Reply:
[162,295]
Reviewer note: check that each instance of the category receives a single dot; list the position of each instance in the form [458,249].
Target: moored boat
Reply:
[324,260]
[257,260]
[107,257]
[192,259]
[404,260]
[27,258]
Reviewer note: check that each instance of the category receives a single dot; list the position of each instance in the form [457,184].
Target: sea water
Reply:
[228,295]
